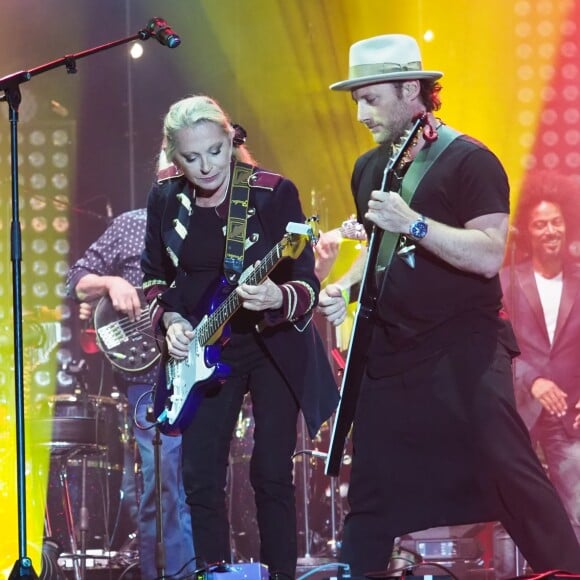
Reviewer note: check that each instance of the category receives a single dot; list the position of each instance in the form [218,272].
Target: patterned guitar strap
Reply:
[237,221]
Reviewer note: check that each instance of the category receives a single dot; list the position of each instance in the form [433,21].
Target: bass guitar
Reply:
[363,324]
[181,383]
[128,345]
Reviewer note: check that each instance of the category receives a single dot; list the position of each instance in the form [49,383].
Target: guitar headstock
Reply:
[298,235]
[402,149]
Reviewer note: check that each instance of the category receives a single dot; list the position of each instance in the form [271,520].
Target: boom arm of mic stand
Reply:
[10,86]
[14,80]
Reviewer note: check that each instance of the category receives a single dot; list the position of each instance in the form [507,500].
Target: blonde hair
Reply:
[197,109]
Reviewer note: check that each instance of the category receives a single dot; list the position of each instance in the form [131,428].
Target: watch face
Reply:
[418,229]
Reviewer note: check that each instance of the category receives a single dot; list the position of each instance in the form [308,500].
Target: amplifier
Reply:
[428,577]
[434,549]
[422,577]
[246,571]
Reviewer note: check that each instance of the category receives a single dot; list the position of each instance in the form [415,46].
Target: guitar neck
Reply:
[368,289]
[232,303]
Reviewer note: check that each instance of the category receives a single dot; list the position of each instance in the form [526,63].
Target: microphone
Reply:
[160,30]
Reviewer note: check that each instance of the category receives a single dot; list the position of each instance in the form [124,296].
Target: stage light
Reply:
[60,159]
[37,138]
[60,181]
[38,181]
[39,246]
[60,137]
[39,224]
[136,50]
[45,167]
[36,159]
[60,224]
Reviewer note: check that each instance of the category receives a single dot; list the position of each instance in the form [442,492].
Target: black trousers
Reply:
[205,448]
[442,444]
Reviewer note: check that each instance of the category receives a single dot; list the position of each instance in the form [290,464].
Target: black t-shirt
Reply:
[422,309]
[202,259]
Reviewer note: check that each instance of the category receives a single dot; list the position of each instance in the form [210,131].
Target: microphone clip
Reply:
[159,29]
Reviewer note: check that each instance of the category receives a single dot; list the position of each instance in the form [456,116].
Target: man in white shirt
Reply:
[542,299]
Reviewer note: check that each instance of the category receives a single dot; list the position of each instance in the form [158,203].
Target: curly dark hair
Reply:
[539,186]
[430,90]
[544,186]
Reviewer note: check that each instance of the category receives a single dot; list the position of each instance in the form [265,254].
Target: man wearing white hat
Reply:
[437,438]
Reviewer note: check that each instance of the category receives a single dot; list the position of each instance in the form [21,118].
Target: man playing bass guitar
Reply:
[108,274]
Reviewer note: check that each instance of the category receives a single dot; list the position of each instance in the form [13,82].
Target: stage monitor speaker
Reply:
[558,575]
[428,577]
[246,571]
[415,577]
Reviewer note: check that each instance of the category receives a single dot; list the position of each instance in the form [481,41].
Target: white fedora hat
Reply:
[380,59]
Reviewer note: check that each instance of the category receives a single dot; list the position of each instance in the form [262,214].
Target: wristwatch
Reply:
[419,228]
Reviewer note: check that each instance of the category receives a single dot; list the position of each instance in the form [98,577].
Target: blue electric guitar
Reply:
[181,383]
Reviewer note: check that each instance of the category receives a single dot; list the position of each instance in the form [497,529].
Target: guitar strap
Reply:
[237,221]
[417,170]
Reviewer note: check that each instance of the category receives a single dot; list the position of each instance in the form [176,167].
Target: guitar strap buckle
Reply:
[406,251]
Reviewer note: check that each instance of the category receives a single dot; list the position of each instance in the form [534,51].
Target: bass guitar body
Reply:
[128,345]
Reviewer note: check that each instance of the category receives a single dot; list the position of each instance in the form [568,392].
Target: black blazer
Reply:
[295,346]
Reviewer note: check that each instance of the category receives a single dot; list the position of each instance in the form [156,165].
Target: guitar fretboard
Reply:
[231,304]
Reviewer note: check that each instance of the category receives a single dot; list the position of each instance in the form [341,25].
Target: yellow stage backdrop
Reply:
[269,62]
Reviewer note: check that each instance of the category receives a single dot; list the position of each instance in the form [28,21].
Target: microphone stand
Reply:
[10,86]
[160,561]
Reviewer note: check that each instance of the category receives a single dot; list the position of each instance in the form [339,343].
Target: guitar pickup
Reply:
[111,335]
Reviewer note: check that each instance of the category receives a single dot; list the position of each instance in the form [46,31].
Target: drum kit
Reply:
[90,446]
[92,457]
